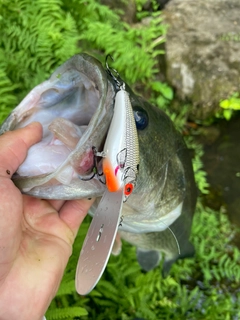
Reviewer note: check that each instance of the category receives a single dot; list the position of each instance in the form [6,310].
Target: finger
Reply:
[74,211]
[14,146]
[57,204]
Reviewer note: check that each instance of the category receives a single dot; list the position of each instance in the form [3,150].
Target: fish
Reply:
[75,107]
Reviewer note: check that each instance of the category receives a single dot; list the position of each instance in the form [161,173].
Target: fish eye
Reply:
[141,118]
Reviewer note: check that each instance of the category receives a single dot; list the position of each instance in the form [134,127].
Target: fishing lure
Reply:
[120,167]
[121,149]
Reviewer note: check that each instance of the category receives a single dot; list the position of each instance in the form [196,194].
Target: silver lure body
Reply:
[121,148]
[120,167]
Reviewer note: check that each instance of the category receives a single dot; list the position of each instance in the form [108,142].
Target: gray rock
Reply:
[203,51]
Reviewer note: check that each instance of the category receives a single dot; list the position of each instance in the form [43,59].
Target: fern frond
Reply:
[66,288]
[66,313]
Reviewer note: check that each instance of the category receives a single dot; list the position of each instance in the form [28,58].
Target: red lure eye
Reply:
[128,189]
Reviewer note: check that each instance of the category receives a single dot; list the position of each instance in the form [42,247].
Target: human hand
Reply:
[36,236]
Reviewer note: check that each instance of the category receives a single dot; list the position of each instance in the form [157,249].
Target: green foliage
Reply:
[140,4]
[229,105]
[7,97]
[135,45]
[35,39]
[217,258]
[66,313]
[200,174]
[162,94]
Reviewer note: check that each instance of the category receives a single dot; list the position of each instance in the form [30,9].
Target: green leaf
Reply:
[66,313]
[227,114]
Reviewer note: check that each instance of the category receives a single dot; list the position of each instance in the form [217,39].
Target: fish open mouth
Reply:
[75,107]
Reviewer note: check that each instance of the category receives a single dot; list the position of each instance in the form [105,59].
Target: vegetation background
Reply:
[35,38]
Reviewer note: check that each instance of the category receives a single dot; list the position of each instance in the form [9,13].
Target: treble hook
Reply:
[111,71]
[94,169]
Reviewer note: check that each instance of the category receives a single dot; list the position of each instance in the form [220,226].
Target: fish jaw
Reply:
[150,223]
[77,189]
[78,100]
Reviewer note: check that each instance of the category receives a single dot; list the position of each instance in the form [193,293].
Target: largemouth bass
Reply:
[75,107]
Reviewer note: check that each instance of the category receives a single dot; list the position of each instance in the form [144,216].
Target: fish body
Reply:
[76,106]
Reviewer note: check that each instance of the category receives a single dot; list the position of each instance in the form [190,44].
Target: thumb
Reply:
[14,146]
